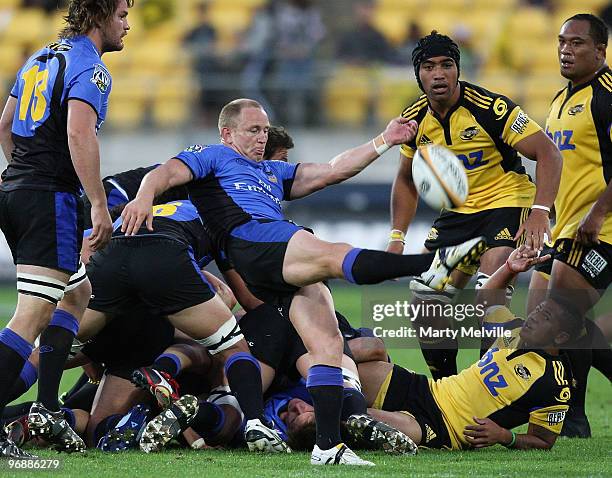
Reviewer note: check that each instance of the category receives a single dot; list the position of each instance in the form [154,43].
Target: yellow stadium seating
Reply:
[501,81]
[6,4]
[28,26]
[172,101]
[348,95]
[397,89]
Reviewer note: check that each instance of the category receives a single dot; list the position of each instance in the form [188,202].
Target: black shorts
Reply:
[131,340]
[593,263]
[43,228]
[498,226]
[409,392]
[274,341]
[545,268]
[257,251]
[349,332]
[158,272]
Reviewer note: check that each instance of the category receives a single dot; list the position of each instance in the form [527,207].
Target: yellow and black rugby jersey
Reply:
[508,385]
[481,129]
[579,123]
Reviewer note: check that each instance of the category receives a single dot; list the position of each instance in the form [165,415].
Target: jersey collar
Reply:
[571,91]
[88,44]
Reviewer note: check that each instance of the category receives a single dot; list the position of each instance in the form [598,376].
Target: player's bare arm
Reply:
[311,177]
[538,147]
[590,226]
[404,200]
[6,122]
[85,154]
[521,260]
[487,433]
[240,290]
[172,173]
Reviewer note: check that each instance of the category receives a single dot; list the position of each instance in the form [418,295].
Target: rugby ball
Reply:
[439,177]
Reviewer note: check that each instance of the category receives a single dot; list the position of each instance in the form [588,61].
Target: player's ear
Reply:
[226,135]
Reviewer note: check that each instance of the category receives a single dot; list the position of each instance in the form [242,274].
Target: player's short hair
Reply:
[277,138]
[84,15]
[229,113]
[303,438]
[597,27]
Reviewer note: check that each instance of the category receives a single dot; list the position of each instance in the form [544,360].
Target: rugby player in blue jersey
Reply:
[238,196]
[48,135]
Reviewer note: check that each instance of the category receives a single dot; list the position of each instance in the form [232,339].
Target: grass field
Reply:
[568,458]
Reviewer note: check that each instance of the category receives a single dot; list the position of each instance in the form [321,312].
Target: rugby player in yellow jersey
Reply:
[485,130]
[579,123]
[520,379]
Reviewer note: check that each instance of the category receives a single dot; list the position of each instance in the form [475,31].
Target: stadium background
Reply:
[169,83]
[164,99]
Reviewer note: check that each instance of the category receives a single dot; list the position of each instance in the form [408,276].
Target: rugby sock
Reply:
[365,266]
[14,412]
[353,403]
[324,384]
[55,343]
[602,361]
[14,352]
[168,363]
[26,379]
[441,360]
[82,380]
[83,398]
[602,353]
[244,378]
[209,420]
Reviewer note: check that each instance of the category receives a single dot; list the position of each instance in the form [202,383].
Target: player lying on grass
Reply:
[521,379]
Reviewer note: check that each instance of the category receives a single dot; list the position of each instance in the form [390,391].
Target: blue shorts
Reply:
[43,228]
[257,251]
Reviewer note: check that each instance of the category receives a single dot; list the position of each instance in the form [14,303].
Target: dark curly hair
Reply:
[84,15]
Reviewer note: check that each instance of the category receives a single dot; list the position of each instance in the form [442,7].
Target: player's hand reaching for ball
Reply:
[399,131]
[135,213]
[523,258]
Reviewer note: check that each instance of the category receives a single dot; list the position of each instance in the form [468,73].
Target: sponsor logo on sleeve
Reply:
[554,418]
[101,78]
[520,123]
[196,148]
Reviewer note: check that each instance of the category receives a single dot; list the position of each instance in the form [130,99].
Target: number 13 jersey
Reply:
[70,69]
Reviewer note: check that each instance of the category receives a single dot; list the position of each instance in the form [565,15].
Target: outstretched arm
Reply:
[521,260]
[311,177]
[172,173]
